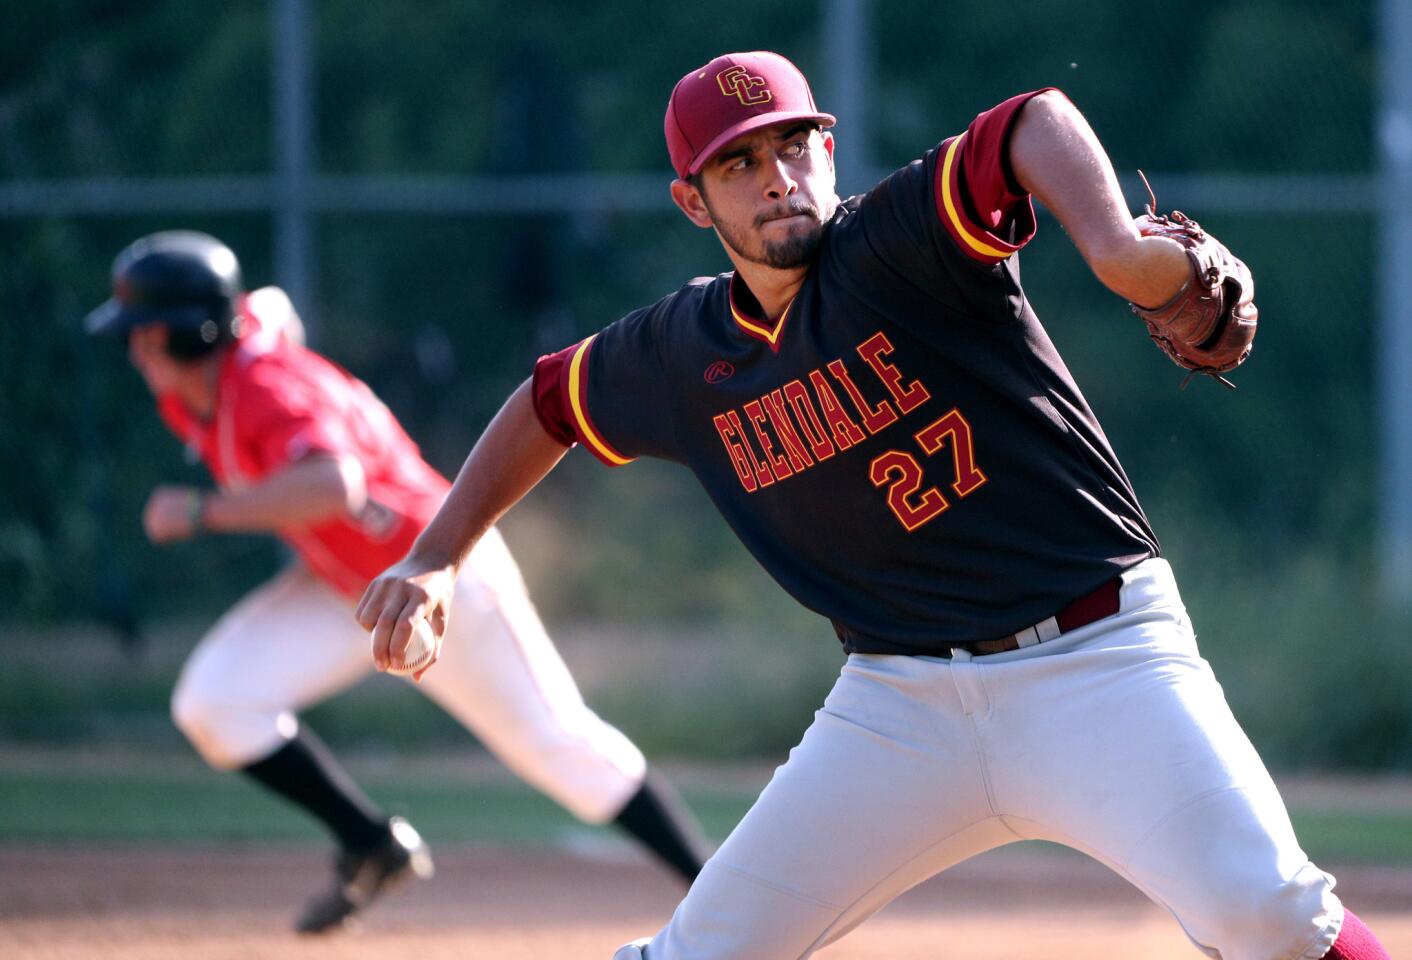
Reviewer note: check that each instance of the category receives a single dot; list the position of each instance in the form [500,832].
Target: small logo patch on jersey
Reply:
[741,83]
[718,371]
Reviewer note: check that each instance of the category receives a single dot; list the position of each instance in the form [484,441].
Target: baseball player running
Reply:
[873,406]
[301,449]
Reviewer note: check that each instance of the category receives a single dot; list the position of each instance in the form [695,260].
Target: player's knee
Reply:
[1288,921]
[593,791]
[190,713]
[637,950]
[591,770]
[204,724]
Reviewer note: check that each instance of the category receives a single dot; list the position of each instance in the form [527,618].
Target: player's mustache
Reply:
[791,209]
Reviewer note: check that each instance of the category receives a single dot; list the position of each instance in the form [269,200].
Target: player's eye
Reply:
[797,149]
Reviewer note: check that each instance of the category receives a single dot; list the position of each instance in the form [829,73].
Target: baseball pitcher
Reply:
[873,406]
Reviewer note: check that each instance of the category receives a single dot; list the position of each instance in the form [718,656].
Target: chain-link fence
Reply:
[478,183]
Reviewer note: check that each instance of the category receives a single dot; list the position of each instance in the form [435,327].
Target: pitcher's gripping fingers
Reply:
[423,649]
[403,594]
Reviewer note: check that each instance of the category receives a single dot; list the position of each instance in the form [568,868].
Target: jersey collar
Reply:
[750,317]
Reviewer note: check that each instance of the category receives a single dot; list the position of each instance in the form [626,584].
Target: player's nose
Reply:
[779,183]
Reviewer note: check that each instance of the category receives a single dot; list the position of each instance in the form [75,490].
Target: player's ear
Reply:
[690,201]
[828,145]
[146,341]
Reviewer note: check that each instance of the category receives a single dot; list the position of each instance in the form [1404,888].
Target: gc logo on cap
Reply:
[731,95]
[737,80]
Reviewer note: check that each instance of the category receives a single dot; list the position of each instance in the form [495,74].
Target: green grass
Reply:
[71,807]
[1340,837]
[707,693]
[193,805]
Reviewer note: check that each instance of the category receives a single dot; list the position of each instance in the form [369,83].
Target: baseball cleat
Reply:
[361,875]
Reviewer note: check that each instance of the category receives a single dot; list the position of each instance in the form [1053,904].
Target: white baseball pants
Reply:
[1114,739]
[293,642]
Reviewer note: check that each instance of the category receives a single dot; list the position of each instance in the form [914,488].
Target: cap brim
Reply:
[753,123]
[111,318]
[115,318]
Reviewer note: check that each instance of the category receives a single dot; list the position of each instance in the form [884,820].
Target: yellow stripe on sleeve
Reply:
[974,243]
[599,445]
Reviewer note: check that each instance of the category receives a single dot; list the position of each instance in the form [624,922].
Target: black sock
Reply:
[305,772]
[656,816]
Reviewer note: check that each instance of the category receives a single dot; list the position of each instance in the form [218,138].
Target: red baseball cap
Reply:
[731,95]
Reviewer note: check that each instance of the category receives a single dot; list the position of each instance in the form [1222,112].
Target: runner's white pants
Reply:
[293,642]
[1114,739]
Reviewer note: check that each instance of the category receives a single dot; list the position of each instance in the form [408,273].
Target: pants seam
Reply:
[777,887]
[976,742]
[1179,808]
[820,941]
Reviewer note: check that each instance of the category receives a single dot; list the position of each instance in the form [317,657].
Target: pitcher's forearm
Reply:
[507,462]
[1056,156]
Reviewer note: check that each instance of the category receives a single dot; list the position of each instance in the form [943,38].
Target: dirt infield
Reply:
[135,903]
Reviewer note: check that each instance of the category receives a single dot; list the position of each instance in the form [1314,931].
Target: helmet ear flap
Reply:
[189,341]
[186,344]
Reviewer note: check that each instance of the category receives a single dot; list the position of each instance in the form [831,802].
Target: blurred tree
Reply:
[444,314]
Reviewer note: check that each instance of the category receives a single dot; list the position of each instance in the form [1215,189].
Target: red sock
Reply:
[1356,942]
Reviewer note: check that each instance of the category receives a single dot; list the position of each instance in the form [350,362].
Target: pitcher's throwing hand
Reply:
[396,600]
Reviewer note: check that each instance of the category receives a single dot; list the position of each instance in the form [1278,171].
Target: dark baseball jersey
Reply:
[903,449]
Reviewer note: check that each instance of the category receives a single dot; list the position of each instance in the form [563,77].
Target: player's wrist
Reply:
[196,511]
[429,558]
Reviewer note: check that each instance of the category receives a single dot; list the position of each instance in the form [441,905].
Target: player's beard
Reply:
[795,249]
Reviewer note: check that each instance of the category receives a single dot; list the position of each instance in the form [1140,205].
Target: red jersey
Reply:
[277,402]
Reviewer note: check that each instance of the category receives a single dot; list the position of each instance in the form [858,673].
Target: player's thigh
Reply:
[1154,776]
[883,791]
[288,644]
[498,668]
[502,678]
[1110,737]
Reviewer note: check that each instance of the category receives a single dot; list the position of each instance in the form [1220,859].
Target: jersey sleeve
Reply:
[551,404]
[958,207]
[281,419]
[986,213]
[610,392]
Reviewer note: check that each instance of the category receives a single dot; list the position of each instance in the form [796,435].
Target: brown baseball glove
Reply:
[1209,325]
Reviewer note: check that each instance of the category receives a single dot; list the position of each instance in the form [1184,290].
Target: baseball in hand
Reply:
[419,651]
